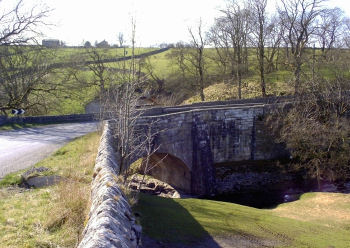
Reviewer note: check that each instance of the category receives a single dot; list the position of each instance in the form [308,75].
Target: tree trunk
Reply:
[239,73]
[297,75]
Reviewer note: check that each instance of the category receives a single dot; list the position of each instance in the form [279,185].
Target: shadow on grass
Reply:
[167,224]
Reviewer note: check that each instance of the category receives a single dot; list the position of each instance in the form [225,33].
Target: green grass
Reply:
[51,216]
[187,220]
[11,179]
[278,82]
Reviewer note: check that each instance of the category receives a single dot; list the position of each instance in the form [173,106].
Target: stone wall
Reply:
[111,223]
[48,119]
[252,176]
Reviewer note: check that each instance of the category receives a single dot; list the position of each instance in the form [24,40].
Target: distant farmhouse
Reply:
[102,44]
[51,43]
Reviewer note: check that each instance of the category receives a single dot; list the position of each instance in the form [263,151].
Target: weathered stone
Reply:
[110,223]
[154,187]
[32,172]
[202,137]
[42,181]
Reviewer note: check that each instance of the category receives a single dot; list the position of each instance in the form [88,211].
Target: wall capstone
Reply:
[111,223]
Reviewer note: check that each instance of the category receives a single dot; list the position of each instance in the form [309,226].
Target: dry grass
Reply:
[330,209]
[250,89]
[52,216]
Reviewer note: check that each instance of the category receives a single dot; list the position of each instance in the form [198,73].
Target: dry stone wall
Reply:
[111,223]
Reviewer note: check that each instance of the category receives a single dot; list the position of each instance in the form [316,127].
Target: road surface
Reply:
[22,148]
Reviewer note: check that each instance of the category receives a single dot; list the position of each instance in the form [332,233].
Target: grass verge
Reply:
[53,216]
[189,220]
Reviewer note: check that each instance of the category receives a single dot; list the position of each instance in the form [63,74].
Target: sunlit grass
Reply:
[193,219]
[52,216]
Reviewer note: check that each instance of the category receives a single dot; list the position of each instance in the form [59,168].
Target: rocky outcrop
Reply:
[153,186]
[111,223]
[36,177]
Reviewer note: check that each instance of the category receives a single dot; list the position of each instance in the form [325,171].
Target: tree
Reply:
[346,32]
[259,22]
[316,130]
[20,26]
[22,69]
[229,35]
[87,44]
[122,105]
[329,27]
[274,37]
[237,28]
[24,81]
[197,58]
[298,19]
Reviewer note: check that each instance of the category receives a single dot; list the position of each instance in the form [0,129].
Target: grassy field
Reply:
[52,216]
[219,87]
[316,220]
[73,94]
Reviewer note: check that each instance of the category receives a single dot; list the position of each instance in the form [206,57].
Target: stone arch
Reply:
[172,170]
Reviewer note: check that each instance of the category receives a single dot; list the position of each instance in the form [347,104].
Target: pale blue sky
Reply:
[157,21]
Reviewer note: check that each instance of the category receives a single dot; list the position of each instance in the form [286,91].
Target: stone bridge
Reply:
[195,138]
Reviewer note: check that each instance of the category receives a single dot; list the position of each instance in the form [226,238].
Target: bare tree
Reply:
[299,18]
[178,56]
[197,57]
[316,130]
[122,102]
[19,25]
[329,27]
[149,149]
[274,37]
[218,37]
[24,81]
[22,69]
[230,36]
[346,32]
[259,22]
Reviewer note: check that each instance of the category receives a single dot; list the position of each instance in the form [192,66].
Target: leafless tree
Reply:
[219,38]
[19,25]
[24,81]
[298,17]
[197,57]
[328,28]
[259,32]
[178,56]
[316,130]
[123,102]
[274,38]
[122,105]
[149,149]
[346,32]
[236,26]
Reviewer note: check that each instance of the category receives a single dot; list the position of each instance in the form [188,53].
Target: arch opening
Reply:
[170,169]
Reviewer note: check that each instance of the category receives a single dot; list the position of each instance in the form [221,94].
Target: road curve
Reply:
[25,147]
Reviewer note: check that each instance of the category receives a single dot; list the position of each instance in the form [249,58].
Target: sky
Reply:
[157,21]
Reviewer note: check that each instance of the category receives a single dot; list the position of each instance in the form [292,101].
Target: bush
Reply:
[316,130]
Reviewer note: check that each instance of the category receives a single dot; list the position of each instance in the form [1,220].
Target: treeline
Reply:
[301,36]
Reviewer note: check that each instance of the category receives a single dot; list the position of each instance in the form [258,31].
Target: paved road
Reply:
[25,147]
